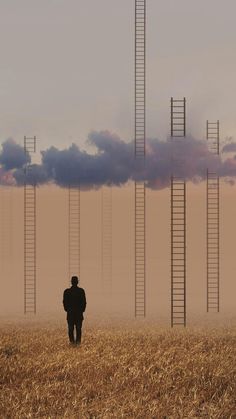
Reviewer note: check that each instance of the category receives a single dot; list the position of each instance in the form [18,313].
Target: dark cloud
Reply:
[112,163]
[34,174]
[13,155]
[186,157]
[229,148]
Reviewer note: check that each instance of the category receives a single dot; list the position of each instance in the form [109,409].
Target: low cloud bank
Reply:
[13,155]
[113,163]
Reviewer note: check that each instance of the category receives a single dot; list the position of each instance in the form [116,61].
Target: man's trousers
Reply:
[74,321]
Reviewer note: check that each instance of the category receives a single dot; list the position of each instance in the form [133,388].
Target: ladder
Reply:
[178,222]
[74,231]
[107,240]
[6,227]
[140,139]
[213,223]
[29,233]
[140,256]
[140,75]
[178,251]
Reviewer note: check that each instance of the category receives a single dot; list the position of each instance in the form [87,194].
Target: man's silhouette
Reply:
[74,302]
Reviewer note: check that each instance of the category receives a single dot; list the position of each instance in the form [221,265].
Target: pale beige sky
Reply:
[52,251]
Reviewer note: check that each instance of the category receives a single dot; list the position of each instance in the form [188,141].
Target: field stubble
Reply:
[124,370]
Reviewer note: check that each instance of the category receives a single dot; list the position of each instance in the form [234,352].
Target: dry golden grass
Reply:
[120,371]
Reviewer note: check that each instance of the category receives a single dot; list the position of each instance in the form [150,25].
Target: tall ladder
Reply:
[213,222]
[178,222]
[74,231]
[6,228]
[140,137]
[107,240]
[29,233]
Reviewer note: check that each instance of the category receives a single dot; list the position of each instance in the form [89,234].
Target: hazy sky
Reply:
[67,67]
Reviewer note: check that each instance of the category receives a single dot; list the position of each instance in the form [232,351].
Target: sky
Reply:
[67,67]
[52,252]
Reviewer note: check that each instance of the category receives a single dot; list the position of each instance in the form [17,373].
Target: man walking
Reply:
[74,302]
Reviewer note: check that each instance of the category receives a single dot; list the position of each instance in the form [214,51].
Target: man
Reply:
[74,302]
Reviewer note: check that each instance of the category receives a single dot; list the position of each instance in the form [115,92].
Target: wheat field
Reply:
[121,370]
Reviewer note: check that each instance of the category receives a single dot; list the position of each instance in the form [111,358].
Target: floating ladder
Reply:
[29,234]
[140,105]
[74,231]
[107,240]
[213,222]
[140,74]
[178,223]
[140,265]
[6,227]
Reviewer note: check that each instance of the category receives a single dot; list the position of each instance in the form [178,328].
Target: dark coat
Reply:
[74,301]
